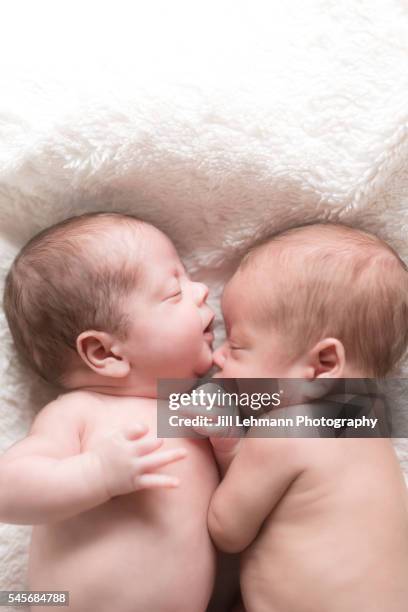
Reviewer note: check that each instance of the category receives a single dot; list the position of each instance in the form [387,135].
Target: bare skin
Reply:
[119,516]
[321,524]
[310,541]
[124,548]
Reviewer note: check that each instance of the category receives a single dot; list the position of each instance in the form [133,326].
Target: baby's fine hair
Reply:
[332,280]
[69,278]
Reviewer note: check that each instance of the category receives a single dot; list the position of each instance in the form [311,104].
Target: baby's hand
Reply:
[126,460]
[224,438]
[220,425]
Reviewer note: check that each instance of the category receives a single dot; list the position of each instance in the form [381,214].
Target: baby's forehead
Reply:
[257,281]
[106,237]
[143,243]
[229,293]
[238,293]
[159,252]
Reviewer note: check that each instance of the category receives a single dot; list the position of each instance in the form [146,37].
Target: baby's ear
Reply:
[328,359]
[100,352]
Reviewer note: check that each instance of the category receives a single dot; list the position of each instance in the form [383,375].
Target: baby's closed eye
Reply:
[235,347]
[174,295]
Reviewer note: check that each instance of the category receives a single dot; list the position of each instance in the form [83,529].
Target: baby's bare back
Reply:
[338,539]
[148,550]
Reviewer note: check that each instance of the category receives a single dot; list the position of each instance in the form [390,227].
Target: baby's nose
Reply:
[201,292]
[219,356]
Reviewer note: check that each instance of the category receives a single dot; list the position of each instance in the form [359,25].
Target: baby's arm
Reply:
[224,450]
[256,480]
[225,439]
[46,478]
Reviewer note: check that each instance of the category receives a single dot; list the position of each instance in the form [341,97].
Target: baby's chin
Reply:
[203,371]
[205,368]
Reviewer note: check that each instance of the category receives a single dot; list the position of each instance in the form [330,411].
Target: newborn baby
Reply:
[101,305]
[322,523]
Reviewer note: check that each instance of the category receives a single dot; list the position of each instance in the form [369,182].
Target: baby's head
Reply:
[103,300]
[317,300]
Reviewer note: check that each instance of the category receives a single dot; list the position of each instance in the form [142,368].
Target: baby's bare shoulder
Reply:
[263,449]
[56,430]
[65,417]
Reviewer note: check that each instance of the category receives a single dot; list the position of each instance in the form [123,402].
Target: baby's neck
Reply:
[121,387]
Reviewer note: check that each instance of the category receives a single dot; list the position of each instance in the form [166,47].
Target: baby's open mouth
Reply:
[208,331]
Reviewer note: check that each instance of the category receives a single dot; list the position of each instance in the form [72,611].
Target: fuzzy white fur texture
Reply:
[219,122]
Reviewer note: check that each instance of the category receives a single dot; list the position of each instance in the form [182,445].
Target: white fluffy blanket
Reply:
[217,121]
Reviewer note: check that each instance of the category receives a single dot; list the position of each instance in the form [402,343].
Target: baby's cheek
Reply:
[241,365]
[191,323]
[191,333]
[231,368]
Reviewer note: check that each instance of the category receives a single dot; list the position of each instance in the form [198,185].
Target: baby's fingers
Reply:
[157,460]
[157,481]
[147,445]
[136,431]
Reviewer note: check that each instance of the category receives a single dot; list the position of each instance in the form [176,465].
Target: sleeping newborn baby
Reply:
[101,305]
[322,523]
